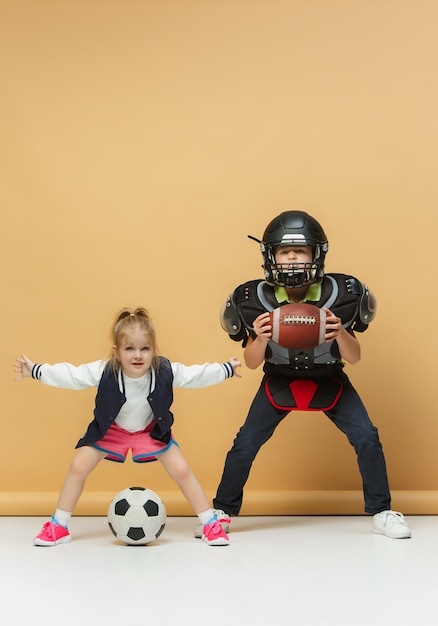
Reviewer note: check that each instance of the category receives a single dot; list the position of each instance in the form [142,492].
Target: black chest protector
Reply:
[344,295]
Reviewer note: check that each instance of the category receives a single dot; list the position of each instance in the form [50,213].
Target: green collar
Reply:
[313,294]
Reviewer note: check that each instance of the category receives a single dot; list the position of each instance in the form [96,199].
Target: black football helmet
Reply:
[293,228]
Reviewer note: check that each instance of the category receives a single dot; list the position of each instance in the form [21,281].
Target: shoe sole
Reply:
[406,535]
[216,542]
[49,544]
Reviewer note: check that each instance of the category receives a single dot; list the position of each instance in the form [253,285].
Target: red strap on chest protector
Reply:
[303,395]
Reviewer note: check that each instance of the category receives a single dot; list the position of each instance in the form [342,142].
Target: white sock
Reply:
[206,516]
[62,517]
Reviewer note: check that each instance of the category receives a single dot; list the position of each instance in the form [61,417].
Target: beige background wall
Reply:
[141,141]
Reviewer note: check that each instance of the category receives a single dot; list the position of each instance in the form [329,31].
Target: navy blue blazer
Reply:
[110,399]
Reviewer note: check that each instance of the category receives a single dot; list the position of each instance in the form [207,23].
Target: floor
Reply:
[303,571]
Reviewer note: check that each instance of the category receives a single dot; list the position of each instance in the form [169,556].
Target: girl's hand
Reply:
[235,364]
[262,326]
[23,366]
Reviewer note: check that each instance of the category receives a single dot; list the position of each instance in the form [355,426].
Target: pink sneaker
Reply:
[222,517]
[214,534]
[52,534]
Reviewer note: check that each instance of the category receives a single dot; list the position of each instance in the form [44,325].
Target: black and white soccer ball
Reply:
[136,516]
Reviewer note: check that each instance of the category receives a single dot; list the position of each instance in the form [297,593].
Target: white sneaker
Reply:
[222,517]
[391,524]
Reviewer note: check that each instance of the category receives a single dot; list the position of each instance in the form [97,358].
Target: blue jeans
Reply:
[349,415]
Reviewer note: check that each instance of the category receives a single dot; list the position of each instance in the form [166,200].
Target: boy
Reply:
[294,247]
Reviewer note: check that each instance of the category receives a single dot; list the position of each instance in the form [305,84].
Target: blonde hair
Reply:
[126,321]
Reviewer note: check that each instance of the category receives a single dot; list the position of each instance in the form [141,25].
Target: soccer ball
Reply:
[136,516]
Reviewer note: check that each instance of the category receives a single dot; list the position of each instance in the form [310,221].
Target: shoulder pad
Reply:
[230,318]
[367,305]
[367,301]
[246,291]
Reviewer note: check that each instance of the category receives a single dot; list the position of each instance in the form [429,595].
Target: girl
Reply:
[132,412]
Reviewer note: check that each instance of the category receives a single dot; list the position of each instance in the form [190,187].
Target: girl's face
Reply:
[293,255]
[135,353]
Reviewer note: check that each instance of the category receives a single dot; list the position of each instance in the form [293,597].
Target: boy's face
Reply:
[293,255]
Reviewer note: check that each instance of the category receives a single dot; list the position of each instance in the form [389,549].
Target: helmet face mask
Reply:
[294,228]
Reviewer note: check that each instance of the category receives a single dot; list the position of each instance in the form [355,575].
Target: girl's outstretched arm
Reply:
[23,367]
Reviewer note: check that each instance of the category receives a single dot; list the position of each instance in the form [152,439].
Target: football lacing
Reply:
[298,319]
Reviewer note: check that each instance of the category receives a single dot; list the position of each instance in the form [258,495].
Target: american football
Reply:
[298,326]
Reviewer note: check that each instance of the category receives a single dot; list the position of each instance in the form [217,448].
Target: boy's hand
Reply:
[235,364]
[262,326]
[349,347]
[23,366]
[333,325]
